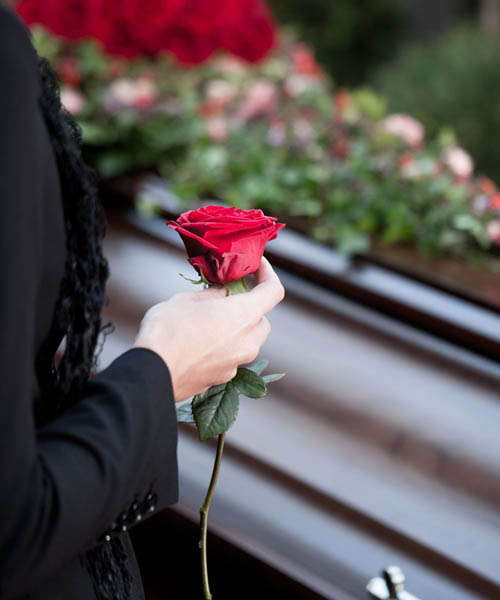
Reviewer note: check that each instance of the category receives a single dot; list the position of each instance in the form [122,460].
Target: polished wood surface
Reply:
[380,446]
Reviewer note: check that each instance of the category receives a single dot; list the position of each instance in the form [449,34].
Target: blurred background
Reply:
[371,127]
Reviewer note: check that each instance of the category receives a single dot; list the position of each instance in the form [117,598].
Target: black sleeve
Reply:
[111,459]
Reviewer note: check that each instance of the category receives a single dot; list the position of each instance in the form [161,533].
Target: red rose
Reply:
[72,19]
[190,46]
[247,29]
[118,37]
[225,243]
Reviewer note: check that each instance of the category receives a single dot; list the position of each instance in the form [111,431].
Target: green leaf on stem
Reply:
[216,409]
[274,377]
[249,383]
[185,413]
[258,366]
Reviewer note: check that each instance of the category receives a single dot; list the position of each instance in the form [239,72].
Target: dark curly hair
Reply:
[77,315]
[82,295]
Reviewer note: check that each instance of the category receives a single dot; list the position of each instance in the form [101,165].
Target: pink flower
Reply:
[404,127]
[216,129]
[129,93]
[260,99]
[72,99]
[493,232]
[459,162]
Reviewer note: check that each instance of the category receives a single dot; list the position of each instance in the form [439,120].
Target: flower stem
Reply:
[204,517]
[236,287]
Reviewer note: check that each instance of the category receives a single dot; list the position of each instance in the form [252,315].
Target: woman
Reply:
[81,460]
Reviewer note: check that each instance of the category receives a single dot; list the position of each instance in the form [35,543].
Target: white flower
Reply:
[459,162]
[220,92]
[122,92]
[404,127]
[72,99]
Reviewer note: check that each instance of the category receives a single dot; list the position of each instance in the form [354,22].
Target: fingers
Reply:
[268,292]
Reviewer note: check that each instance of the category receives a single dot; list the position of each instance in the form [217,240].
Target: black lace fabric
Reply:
[77,313]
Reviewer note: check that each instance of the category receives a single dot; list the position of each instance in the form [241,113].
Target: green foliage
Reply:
[279,137]
[215,411]
[350,37]
[453,82]
[185,412]
[249,383]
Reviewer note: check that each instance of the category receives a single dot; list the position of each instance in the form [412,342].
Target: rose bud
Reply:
[225,244]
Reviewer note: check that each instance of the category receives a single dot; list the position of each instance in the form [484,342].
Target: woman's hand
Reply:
[204,336]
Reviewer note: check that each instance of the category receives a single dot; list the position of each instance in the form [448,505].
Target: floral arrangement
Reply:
[191,30]
[277,135]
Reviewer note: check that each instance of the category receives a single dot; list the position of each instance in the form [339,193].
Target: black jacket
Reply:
[109,461]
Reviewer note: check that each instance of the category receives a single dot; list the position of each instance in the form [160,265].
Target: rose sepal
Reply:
[236,287]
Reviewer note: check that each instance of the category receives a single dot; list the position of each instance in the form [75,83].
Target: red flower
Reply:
[68,71]
[340,148]
[118,38]
[487,186]
[246,29]
[304,61]
[495,202]
[189,45]
[225,243]
[191,29]
[72,19]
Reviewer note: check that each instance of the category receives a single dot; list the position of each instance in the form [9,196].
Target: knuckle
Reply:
[231,373]
[252,353]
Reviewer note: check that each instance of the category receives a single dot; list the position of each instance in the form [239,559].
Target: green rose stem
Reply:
[204,516]
[233,287]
